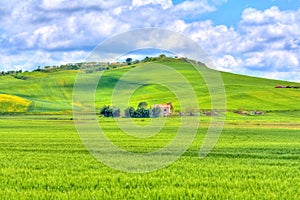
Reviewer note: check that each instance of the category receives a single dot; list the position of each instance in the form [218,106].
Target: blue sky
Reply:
[230,13]
[254,37]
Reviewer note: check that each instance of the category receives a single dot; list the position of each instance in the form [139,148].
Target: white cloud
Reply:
[81,5]
[264,40]
[61,31]
[271,39]
[294,76]
[214,39]
[228,63]
[193,8]
[165,4]
[178,26]
[255,17]
[70,24]
[283,61]
[280,29]
[31,59]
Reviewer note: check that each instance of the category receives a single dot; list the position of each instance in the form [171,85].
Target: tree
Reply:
[129,112]
[116,112]
[162,57]
[108,111]
[155,112]
[143,104]
[128,61]
[142,113]
[136,62]
[146,59]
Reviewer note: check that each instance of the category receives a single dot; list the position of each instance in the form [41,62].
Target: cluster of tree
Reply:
[69,66]
[12,72]
[108,111]
[164,58]
[137,113]
[161,58]
[142,111]
[88,67]
[91,67]
[16,74]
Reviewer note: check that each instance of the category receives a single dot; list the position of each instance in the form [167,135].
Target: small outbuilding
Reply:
[280,86]
[165,109]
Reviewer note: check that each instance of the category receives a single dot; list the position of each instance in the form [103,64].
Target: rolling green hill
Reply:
[51,92]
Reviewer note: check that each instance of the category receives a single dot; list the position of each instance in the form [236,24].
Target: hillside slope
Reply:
[52,92]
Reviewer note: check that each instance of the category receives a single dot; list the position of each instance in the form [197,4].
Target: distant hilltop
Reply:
[90,67]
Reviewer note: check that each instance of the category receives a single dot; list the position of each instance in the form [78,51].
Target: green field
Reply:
[42,156]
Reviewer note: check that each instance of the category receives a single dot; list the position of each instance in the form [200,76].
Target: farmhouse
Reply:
[165,109]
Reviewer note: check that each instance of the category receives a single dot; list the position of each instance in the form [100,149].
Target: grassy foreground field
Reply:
[256,158]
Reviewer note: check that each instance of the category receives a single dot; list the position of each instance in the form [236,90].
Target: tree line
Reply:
[91,67]
[142,111]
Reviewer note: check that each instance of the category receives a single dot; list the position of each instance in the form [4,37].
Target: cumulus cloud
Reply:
[215,39]
[256,17]
[29,60]
[265,41]
[282,61]
[165,4]
[53,31]
[271,39]
[193,8]
[270,27]
[228,63]
[61,31]
[58,28]
[293,76]
[71,5]
[68,25]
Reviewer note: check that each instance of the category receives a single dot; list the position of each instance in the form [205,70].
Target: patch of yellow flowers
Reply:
[11,103]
